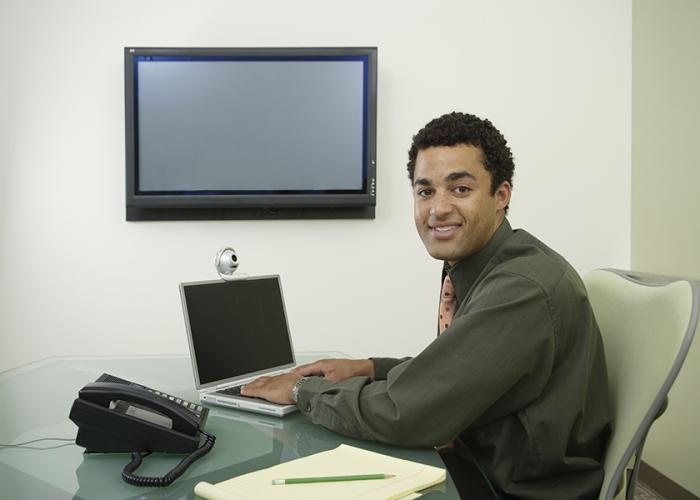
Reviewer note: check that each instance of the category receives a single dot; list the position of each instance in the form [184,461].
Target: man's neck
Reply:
[498,224]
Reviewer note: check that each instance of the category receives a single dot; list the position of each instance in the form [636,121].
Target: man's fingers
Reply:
[310,369]
[247,390]
[254,391]
[277,389]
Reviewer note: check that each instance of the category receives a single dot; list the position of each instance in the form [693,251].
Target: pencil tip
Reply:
[389,476]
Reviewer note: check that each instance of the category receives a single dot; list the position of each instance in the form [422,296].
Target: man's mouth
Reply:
[443,231]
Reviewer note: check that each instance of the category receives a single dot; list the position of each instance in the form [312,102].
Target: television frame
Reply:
[266,205]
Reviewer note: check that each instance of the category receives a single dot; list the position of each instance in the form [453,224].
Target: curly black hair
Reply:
[461,128]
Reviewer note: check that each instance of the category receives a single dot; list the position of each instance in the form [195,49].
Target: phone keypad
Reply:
[187,404]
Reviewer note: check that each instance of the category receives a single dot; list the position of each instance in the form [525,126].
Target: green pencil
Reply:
[330,479]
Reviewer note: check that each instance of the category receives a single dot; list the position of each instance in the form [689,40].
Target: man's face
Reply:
[455,212]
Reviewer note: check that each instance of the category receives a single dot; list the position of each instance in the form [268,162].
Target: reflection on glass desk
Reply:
[36,400]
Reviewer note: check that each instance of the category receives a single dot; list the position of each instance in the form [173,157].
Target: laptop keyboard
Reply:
[233,391]
[236,391]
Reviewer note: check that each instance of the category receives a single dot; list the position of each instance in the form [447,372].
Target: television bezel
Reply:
[306,205]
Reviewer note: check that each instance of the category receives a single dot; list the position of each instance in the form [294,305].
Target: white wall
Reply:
[666,104]
[554,76]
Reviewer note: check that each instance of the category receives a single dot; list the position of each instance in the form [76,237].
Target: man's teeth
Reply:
[444,229]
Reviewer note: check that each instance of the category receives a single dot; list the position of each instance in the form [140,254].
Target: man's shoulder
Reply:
[524,257]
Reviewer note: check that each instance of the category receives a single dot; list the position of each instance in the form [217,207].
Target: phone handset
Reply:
[103,393]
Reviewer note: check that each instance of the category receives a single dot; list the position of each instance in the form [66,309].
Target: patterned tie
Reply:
[448,303]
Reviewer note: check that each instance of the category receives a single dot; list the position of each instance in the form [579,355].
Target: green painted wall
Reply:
[666,197]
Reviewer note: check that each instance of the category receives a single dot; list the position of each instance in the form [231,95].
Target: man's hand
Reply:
[337,370]
[275,389]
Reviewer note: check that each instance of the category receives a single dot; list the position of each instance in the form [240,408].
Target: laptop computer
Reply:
[237,331]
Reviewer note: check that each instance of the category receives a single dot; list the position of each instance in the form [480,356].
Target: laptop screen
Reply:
[236,328]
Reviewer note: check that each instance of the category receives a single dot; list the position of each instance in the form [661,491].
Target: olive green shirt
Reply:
[518,378]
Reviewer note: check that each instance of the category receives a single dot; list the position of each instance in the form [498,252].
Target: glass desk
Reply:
[35,401]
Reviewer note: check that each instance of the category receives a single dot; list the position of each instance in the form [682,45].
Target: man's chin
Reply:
[440,254]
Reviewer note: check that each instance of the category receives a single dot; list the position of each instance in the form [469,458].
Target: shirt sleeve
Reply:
[382,366]
[501,342]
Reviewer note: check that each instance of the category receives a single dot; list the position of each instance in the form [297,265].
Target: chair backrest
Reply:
[647,323]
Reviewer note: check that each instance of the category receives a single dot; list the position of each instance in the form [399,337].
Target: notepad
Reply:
[343,460]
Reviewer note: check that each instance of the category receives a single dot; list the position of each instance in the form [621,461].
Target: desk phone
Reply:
[114,415]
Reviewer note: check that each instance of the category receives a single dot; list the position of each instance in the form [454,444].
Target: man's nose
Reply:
[442,204]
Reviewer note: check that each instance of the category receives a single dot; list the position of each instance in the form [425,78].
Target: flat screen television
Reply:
[250,133]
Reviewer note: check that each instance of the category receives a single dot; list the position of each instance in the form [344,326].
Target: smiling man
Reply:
[515,383]
[456,209]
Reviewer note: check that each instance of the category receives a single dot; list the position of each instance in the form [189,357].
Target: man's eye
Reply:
[424,192]
[462,189]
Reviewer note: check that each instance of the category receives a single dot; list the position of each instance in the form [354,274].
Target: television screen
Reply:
[250,133]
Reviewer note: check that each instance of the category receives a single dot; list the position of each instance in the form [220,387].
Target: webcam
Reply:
[226,263]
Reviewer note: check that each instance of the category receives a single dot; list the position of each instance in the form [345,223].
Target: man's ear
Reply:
[502,195]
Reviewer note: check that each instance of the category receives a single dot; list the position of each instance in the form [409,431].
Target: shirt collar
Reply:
[465,272]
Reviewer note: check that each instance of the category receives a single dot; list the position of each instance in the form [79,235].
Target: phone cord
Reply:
[136,459]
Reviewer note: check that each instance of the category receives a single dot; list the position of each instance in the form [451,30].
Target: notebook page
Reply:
[343,460]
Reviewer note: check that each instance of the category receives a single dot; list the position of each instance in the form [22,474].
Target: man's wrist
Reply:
[370,368]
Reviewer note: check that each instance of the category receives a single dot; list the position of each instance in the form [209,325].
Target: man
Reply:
[515,382]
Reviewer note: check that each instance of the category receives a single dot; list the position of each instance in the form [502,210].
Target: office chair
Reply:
[647,323]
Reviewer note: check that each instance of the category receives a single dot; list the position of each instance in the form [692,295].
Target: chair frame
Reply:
[658,406]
